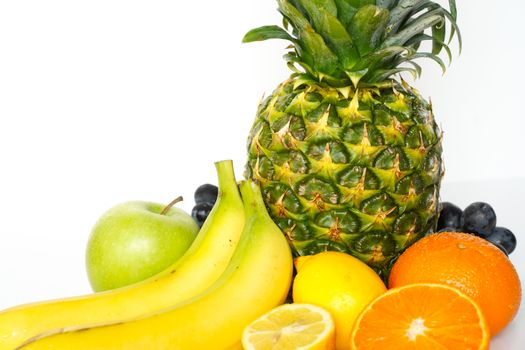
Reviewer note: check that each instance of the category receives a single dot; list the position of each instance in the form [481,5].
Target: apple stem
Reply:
[172,203]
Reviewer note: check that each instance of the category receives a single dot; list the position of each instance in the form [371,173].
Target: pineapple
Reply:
[348,155]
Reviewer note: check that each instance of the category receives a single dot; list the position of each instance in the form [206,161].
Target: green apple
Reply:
[136,240]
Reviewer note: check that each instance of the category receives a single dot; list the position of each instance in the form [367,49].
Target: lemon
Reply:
[339,283]
[291,327]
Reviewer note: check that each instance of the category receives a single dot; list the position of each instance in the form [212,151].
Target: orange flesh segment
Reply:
[421,317]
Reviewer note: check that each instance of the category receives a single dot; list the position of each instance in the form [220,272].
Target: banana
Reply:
[257,279]
[193,273]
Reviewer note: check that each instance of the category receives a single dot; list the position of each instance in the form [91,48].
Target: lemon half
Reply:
[291,327]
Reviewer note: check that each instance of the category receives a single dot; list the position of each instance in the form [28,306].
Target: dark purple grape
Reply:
[206,193]
[200,212]
[479,218]
[503,238]
[451,216]
[450,229]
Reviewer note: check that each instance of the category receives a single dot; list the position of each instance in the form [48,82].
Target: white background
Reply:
[108,101]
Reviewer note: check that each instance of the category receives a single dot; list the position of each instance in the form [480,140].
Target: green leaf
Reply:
[322,6]
[313,50]
[454,27]
[429,5]
[368,28]
[382,59]
[418,26]
[292,59]
[384,74]
[425,37]
[454,30]
[333,32]
[293,15]
[345,12]
[433,57]
[377,59]
[424,4]
[453,9]
[454,16]
[360,3]
[286,24]
[265,33]
[417,68]
[399,14]
[386,4]
[451,16]
[438,32]
[295,4]
[409,59]
[306,61]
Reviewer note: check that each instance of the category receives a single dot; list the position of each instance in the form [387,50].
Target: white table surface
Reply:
[35,266]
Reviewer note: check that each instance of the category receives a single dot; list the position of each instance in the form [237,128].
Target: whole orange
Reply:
[473,265]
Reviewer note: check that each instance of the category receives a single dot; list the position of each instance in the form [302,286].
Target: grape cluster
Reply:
[205,198]
[478,218]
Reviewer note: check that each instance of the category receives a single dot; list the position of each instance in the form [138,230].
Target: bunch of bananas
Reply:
[239,267]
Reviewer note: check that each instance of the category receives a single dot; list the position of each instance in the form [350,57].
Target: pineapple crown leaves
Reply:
[345,42]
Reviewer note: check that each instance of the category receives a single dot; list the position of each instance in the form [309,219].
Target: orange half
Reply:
[423,317]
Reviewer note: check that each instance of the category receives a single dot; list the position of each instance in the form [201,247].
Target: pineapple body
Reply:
[350,170]
[347,154]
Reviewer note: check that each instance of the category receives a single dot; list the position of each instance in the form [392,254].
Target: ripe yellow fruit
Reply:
[291,327]
[341,284]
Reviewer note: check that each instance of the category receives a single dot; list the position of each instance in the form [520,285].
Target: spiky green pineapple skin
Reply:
[357,172]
